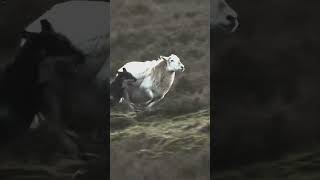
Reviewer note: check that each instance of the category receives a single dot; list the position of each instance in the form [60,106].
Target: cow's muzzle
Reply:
[183,68]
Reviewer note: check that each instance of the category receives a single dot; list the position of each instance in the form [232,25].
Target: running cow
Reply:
[154,80]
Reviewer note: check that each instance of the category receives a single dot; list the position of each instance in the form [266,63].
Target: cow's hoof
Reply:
[79,173]
[140,116]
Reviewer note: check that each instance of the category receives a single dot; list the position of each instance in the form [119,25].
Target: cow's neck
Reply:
[162,77]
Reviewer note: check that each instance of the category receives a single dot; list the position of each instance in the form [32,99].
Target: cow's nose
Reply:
[231,18]
[234,22]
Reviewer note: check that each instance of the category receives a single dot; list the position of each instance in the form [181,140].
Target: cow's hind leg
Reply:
[126,99]
[151,96]
[154,101]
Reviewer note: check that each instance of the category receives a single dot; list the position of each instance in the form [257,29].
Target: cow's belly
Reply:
[137,95]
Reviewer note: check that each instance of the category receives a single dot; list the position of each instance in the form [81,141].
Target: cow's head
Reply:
[222,16]
[173,63]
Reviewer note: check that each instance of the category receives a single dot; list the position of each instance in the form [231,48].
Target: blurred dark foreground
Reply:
[39,154]
[266,82]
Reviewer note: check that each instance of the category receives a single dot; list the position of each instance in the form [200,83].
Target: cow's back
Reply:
[86,25]
[139,69]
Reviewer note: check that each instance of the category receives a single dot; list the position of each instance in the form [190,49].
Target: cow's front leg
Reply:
[151,104]
[150,94]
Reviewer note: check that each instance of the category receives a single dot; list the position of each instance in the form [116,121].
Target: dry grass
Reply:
[161,147]
[164,134]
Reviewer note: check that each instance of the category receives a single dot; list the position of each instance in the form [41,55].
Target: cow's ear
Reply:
[46,26]
[164,58]
[124,70]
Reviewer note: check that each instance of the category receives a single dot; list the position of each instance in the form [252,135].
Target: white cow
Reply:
[154,80]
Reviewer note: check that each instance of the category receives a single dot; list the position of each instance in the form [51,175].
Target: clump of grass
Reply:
[139,8]
[166,134]
[121,121]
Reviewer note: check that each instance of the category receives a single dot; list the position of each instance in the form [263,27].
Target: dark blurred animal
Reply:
[222,17]
[20,88]
[154,80]
[116,86]
[86,25]
[79,100]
